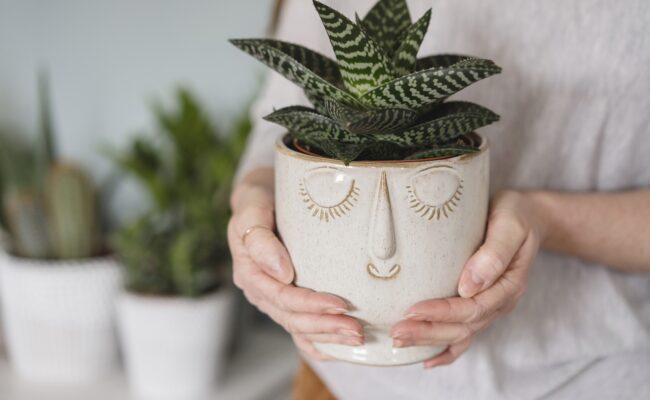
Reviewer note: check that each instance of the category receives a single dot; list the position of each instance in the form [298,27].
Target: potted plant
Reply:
[57,282]
[175,314]
[381,186]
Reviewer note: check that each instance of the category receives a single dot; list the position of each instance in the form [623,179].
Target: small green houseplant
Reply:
[175,255]
[54,260]
[382,149]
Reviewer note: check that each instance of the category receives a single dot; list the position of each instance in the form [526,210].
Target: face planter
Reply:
[382,235]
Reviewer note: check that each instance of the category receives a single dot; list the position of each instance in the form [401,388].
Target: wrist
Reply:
[252,195]
[541,205]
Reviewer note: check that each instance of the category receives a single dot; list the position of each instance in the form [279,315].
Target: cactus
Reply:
[25,214]
[72,214]
[49,207]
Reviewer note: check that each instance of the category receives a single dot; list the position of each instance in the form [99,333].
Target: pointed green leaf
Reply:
[381,121]
[450,151]
[440,61]
[362,63]
[386,23]
[345,152]
[306,123]
[405,58]
[319,64]
[273,54]
[451,120]
[417,90]
[363,122]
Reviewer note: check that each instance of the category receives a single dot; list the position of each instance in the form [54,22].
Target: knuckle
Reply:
[282,296]
[465,331]
[478,313]
[493,262]
[520,290]
[291,326]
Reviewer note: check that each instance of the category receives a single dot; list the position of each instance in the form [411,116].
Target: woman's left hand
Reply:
[493,280]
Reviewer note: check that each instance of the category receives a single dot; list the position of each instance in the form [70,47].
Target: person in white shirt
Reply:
[570,176]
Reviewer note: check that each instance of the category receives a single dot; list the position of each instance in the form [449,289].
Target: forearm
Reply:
[608,228]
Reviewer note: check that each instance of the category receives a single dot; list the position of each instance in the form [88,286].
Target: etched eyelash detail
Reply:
[330,212]
[430,211]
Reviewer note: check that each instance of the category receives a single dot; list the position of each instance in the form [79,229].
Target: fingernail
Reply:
[402,336]
[349,332]
[356,342]
[401,343]
[429,365]
[336,310]
[415,317]
[470,284]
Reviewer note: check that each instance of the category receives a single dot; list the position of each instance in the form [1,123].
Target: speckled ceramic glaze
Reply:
[381,235]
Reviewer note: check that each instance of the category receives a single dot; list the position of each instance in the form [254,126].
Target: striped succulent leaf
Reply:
[317,63]
[447,151]
[292,69]
[440,61]
[345,152]
[381,120]
[369,121]
[362,63]
[339,112]
[386,23]
[306,123]
[417,90]
[451,120]
[405,58]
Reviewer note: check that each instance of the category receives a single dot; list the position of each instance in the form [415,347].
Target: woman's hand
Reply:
[262,269]
[492,282]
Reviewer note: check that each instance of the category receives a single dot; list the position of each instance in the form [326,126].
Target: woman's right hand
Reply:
[262,269]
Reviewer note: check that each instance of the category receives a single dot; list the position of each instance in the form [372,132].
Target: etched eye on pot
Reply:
[328,193]
[435,192]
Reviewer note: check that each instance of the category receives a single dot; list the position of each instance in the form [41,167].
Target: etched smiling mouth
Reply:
[375,273]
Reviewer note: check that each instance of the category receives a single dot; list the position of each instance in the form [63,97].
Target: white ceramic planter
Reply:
[59,323]
[381,235]
[174,347]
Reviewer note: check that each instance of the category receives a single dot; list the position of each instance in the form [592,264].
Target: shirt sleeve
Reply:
[298,23]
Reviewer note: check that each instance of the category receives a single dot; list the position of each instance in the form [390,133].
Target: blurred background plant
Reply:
[179,246]
[49,207]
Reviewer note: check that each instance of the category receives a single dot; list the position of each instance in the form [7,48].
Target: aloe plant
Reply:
[49,209]
[378,100]
[179,246]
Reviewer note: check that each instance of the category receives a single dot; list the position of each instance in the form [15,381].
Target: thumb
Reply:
[266,250]
[504,239]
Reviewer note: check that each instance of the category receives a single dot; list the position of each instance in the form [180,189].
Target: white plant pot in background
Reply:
[174,347]
[59,323]
[382,235]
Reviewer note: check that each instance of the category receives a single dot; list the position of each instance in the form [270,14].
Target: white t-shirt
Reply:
[574,99]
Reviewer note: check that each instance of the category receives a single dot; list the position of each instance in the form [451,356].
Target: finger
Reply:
[418,333]
[506,233]
[296,323]
[307,348]
[332,338]
[448,356]
[473,309]
[261,244]
[294,299]
[257,285]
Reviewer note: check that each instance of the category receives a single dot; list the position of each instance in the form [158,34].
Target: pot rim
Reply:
[282,147]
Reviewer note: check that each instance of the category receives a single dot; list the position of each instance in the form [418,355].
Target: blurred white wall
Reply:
[107,59]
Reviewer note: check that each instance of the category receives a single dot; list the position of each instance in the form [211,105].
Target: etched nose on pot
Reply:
[382,236]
